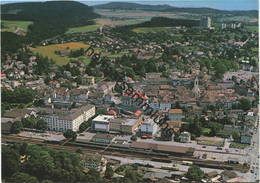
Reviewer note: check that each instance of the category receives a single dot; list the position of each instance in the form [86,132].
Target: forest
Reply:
[49,19]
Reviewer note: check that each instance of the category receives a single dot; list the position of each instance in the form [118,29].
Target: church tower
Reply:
[196,89]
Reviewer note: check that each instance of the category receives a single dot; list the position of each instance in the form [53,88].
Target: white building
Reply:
[101,123]
[60,120]
[149,127]
[205,22]
[185,137]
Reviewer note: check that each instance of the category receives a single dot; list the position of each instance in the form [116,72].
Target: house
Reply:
[94,161]
[18,114]
[79,95]
[103,138]
[102,123]
[130,126]
[148,127]
[88,80]
[54,84]
[152,75]
[175,114]
[185,137]
[15,84]
[6,124]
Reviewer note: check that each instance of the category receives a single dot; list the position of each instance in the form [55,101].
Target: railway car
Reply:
[170,168]
[161,160]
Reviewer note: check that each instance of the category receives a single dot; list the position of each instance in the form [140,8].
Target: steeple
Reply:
[196,89]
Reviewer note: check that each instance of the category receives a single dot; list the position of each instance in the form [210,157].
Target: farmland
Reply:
[49,51]
[11,26]
[149,29]
[87,28]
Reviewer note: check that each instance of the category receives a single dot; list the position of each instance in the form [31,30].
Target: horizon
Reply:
[230,5]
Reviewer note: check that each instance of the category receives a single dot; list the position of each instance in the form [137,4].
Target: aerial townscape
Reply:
[123,92]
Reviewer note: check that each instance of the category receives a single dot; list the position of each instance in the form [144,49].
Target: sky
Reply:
[216,4]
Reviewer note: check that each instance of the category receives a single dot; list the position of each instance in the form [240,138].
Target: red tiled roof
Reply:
[175,111]
[138,113]
[111,112]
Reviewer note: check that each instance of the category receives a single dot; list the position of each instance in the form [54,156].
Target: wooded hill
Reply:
[49,18]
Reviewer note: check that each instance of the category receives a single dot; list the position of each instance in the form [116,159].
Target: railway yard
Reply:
[130,153]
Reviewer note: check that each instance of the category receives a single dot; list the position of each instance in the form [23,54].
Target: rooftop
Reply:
[103,118]
[175,111]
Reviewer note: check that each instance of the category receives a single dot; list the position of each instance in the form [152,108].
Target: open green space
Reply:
[149,29]
[86,28]
[252,28]
[49,51]
[238,145]
[210,141]
[206,131]
[11,26]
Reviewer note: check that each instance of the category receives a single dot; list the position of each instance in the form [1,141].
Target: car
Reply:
[219,148]
[252,171]
[203,146]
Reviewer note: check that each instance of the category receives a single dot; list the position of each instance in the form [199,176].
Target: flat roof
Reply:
[103,118]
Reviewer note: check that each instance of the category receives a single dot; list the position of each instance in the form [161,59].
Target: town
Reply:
[201,83]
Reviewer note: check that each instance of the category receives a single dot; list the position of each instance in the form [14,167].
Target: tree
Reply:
[10,161]
[69,134]
[195,173]
[23,148]
[47,181]
[134,138]
[109,172]
[23,178]
[220,70]
[215,128]
[245,104]
[79,151]
[41,125]
[16,127]
[236,136]
[29,122]
[93,176]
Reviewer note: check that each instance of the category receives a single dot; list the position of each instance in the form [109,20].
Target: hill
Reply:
[167,8]
[132,6]
[49,18]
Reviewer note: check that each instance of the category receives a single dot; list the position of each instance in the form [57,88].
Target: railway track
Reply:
[120,152]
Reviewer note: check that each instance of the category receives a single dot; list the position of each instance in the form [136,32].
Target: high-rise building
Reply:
[205,22]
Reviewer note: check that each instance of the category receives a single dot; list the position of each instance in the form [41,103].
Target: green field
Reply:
[206,131]
[252,28]
[11,26]
[49,51]
[149,29]
[86,28]
[238,145]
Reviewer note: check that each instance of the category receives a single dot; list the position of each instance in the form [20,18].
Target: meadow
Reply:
[11,26]
[49,51]
[149,29]
[86,28]
[252,28]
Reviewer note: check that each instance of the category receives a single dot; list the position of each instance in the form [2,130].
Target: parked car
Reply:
[219,148]
[203,146]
